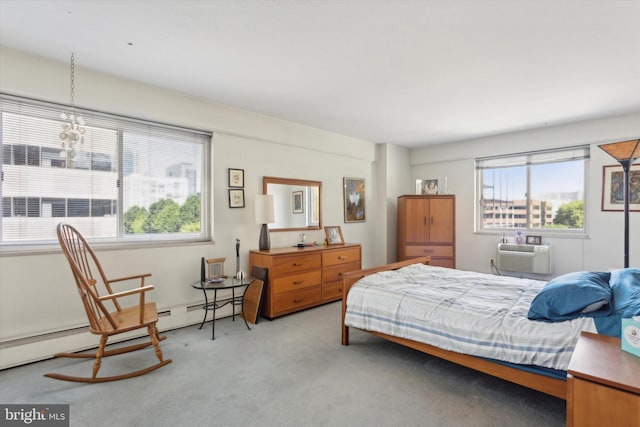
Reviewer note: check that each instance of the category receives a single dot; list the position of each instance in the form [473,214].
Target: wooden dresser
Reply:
[300,278]
[426,227]
[603,384]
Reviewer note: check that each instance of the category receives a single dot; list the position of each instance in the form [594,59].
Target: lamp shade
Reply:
[264,209]
[623,150]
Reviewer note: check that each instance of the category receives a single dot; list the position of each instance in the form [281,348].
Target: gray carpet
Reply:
[288,372]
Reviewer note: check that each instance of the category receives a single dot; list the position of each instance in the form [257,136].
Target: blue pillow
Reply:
[625,285]
[573,295]
[625,291]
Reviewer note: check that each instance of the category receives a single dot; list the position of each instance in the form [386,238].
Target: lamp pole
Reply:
[626,166]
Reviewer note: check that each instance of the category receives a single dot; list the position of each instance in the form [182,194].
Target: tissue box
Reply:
[630,336]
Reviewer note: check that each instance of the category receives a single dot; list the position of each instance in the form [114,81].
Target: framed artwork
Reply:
[534,240]
[334,235]
[296,202]
[236,178]
[354,200]
[426,186]
[613,188]
[236,198]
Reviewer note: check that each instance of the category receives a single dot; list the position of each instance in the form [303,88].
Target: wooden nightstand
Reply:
[603,384]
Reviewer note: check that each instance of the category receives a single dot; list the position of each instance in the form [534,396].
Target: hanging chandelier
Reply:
[73,130]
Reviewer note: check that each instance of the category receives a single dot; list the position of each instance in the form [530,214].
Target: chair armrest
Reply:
[126,293]
[137,276]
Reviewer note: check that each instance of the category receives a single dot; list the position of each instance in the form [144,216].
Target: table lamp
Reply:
[625,152]
[264,215]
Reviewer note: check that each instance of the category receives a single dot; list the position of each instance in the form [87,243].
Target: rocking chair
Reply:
[96,297]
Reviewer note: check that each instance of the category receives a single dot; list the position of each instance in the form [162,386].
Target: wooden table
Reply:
[603,384]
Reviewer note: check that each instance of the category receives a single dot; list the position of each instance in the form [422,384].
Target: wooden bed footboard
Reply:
[545,384]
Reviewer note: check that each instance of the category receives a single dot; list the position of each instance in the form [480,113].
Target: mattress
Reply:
[467,312]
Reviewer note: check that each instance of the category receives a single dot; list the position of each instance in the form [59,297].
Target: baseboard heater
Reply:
[535,259]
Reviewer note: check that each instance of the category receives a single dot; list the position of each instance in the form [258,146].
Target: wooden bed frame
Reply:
[552,386]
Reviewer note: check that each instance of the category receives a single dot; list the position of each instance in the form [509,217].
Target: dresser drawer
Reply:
[428,250]
[293,282]
[293,263]
[334,273]
[294,301]
[340,256]
[332,291]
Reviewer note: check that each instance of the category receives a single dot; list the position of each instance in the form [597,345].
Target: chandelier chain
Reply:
[73,80]
[73,129]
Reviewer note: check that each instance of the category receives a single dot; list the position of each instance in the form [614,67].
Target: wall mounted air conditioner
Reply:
[524,258]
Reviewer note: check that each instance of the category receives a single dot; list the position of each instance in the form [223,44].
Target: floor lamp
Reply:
[264,215]
[625,152]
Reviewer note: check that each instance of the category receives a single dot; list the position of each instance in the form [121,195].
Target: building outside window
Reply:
[538,191]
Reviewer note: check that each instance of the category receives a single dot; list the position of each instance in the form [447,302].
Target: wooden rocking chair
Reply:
[96,296]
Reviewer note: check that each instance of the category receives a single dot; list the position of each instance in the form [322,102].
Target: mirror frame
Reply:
[301,182]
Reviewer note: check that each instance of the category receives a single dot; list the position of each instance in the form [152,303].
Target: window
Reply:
[130,180]
[536,191]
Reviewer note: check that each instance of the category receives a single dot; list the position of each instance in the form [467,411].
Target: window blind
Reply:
[534,158]
[125,164]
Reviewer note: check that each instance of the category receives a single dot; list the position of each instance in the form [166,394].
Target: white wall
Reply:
[393,175]
[600,250]
[37,294]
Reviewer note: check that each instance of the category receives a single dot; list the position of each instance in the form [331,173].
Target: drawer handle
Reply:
[298,282]
[342,257]
[428,251]
[297,264]
[298,301]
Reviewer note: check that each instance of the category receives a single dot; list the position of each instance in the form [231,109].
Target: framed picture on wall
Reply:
[613,188]
[236,178]
[354,200]
[236,198]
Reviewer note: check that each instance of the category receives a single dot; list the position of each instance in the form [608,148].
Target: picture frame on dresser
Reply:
[334,235]
[426,186]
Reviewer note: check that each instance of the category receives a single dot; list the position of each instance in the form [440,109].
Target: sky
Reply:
[510,183]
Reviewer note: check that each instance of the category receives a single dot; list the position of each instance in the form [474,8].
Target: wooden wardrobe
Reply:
[426,227]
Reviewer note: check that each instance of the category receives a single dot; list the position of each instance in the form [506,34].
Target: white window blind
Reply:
[130,180]
[534,158]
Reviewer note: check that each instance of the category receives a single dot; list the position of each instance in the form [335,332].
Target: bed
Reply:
[483,321]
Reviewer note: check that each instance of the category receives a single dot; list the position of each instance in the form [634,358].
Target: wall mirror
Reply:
[296,203]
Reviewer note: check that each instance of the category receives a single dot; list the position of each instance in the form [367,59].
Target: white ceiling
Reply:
[409,73]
